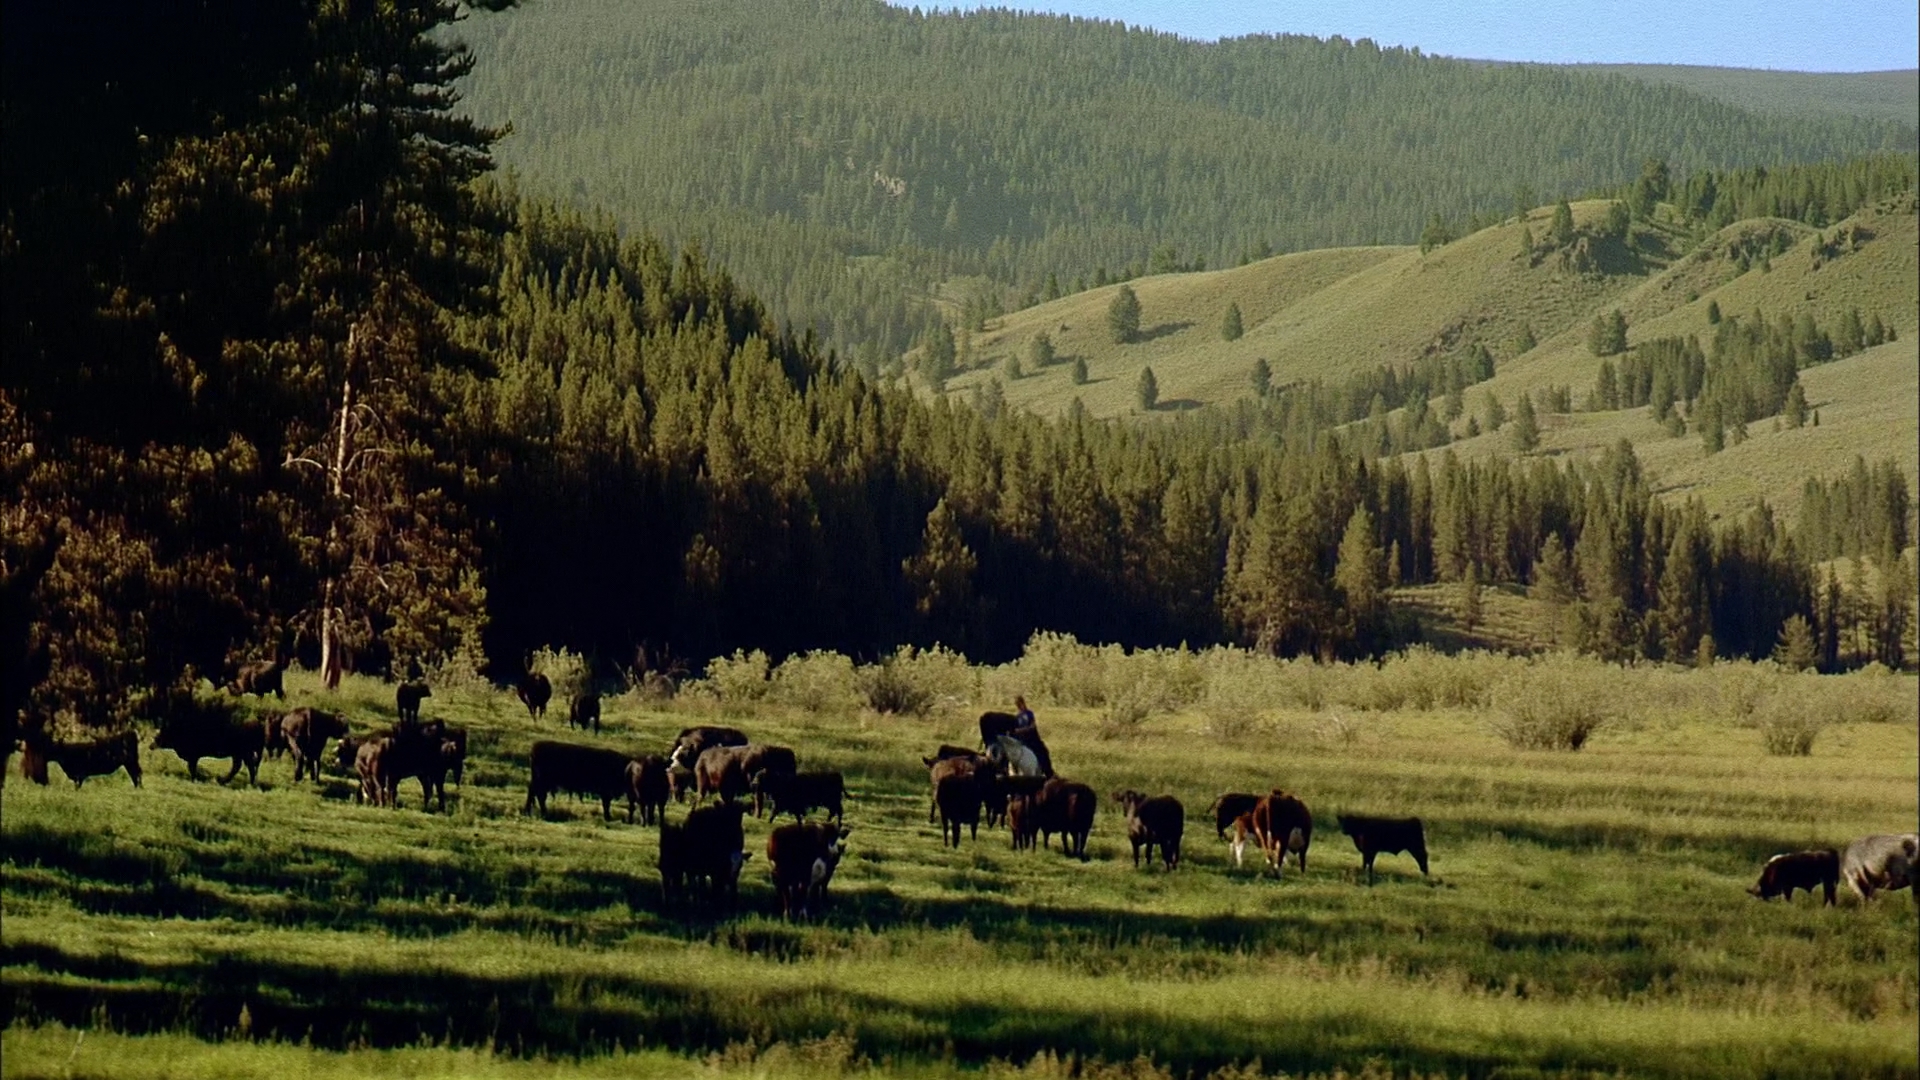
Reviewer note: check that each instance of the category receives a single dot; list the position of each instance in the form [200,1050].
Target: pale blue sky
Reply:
[1834,35]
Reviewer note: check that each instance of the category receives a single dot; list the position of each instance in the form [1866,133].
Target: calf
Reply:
[1065,807]
[1228,807]
[426,752]
[1021,821]
[1157,820]
[586,770]
[708,849]
[803,859]
[1872,864]
[728,771]
[276,735]
[648,787]
[584,711]
[407,698]
[997,793]
[680,782]
[1375,835]
[82,761]
[1798,870]
[694,741]
[261,677]
[306,731]
[956,795]
[799,793]
[1282,824]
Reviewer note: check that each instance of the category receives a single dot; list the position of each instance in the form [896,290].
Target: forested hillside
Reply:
[1877,95]
[844,158]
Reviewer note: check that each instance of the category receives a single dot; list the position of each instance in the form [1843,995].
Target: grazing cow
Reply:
[801,792]
[995,724]
[586,770]
[407,698]
[306,731]
[1392,836]
[1014,757]
[648,787]
[81,761]
[694,741]
[708,848]
[1157,820]
[1065,807]
[1228,807]
[426,752]
[803,858]
[1872,864]
[208,736]
[948,750]
[368,768]
[1799,870]
[534,691]
[453,748]
[1282,824]
[261,677]
[584,711]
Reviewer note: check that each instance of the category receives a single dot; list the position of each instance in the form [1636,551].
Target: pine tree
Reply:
[1562,232]
[1011,368]
[1496,412]
[1357,576]
[1230,329]
[940,575]
[1079,371]
[1796,650]
[1262,378]
[1553,582]
[1526,245]
[1147,390]
[1123,316]
[1795,411]
[1040,352]
[1713,313]
[1526,426]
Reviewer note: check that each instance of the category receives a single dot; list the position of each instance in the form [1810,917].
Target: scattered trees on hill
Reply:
[1230,329]
[1123,316]
[1526,426]
[1607,336]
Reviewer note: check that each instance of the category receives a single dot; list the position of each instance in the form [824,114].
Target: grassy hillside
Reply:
[1878,95]
[1585,913]
[842,158]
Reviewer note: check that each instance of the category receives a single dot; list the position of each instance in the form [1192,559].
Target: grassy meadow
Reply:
[1585,914]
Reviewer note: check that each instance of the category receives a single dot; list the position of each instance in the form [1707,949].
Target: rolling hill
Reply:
[1879,95]
[844,159]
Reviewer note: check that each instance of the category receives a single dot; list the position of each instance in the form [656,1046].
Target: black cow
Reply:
[407,698]
[534,691]
[957,787]
[193,737]
[1392,836]
[426,752]
[1157,820]
[1799,870]
[648,787]
[584,711]
[81,761]
[995,724]
[1065,807]
[709,848]
[586,770]
[800,792]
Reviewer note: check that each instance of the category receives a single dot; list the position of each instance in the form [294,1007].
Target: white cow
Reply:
[1873,863]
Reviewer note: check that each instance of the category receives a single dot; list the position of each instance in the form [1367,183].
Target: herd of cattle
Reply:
[1010,781]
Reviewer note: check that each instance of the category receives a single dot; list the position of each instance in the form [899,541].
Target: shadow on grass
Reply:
[1724,853]
[1160,330]
[563,1015]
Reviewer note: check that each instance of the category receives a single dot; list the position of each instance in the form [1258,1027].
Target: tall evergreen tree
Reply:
[1123,316]
[1526,426]
[1147,390]
[1230,328]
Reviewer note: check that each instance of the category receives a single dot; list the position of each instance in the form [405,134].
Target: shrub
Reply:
[888,687]
[818,682]
[566,670]
[915,681]
[738,681]
[1554,704]
[1059,670]
[1125,714]
[1788,725]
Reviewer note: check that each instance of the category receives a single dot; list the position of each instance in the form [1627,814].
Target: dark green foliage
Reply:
[1123,316]
[1230,328]
[1650,189]
[1561,234]
[1526,426]
[839,156]
[1079,373]
[1618,220]
[1146,392]
[1607,336]
[1437,233]
[1866,512]
[1262,378]
[1817,194]
[1713,312]
[1040,352]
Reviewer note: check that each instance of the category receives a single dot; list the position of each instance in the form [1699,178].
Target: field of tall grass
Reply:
[1585,915]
